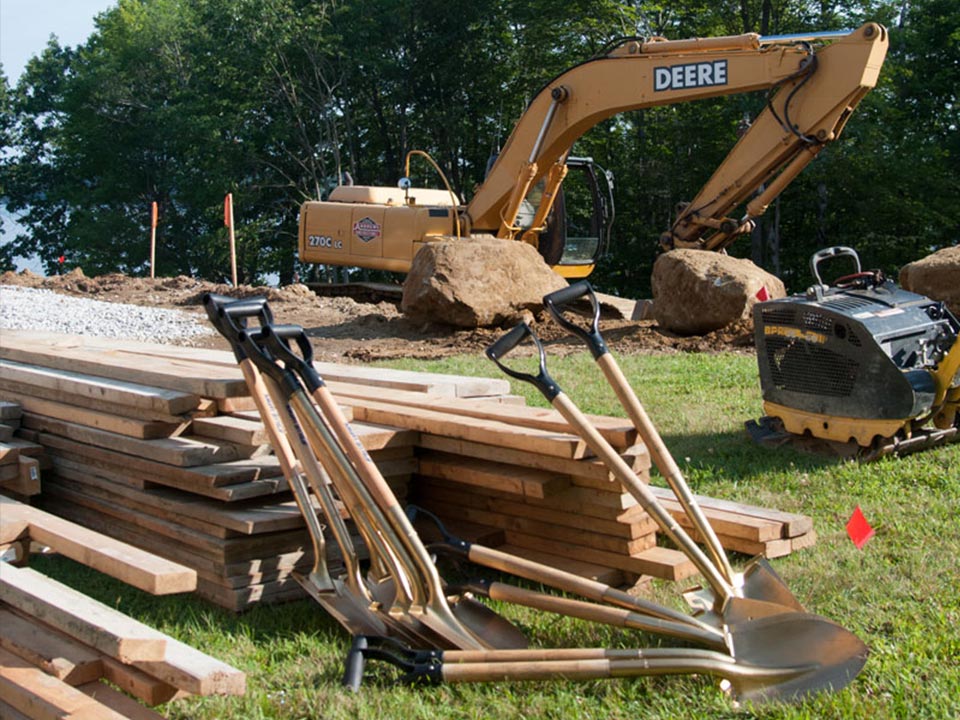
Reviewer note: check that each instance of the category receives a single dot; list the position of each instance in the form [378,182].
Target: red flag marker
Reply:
[762,294]
[153,214]
[859,529]
[228,210]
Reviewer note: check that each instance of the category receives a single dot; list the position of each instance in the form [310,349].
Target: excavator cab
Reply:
[578,228]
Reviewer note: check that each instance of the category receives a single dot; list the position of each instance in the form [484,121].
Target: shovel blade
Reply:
[826,656]
[761,582]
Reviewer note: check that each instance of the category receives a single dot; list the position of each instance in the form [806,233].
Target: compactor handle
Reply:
[555,302]
[830,253]
[542,380]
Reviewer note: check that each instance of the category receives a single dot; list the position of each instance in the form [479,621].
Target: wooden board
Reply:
[619,432]
[54,652]
[29,690]
[118,702]
[524,482]
[108,357]
[132,565]
[83,618]
[178,451]
[117,392]
[472,429]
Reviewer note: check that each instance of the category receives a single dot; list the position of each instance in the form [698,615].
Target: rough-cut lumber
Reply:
[190,670]
[179,451]
[29,690]
[524,482]
[793,524]
[90,387]
[85,619]
[9,410]
[106,356]
[619,432]
[53,652]
[118,702]
[231,429]
[109,422]
[488,432]
[151,690]
[120,560]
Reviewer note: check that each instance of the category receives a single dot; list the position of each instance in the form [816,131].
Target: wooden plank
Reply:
[632,527]
[117,392]
[525,482]
[178,451]
[31,691]
[245,518]
[231,429]
[151,690]
[130,427]
[27,482]
[118,702]
[471,429]
[619,432]
[107,357]
[656,561]
[793,523]
[586,468]
[803,541]
[733,525]
[9,454]
[81,617]
[231,472]
[132,565]
[9,410]
[53,652]
[573,539]
[6,432]
[190,670]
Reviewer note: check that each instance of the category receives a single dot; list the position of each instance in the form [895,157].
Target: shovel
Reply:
[755,628]
[467,623]
[756,683]
[658,618]
[350,606]
[759,581]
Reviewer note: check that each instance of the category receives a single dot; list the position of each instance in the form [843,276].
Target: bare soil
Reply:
[344,329]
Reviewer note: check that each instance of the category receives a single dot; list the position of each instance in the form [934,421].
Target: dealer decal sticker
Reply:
[367,229]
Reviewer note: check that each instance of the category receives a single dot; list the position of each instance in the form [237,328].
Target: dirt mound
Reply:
[343,329]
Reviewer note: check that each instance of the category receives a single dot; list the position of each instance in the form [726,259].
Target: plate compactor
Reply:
[859,367]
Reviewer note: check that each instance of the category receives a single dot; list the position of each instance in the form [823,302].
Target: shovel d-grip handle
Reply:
[419,667]
[251,341]
[277,338]
[542,380]
[555,303]
[229,316]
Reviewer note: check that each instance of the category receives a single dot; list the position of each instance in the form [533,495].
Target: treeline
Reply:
[182,101]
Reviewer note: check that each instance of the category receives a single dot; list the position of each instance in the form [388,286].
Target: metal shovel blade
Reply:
[826,655]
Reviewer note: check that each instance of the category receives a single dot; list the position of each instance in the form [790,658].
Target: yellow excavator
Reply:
[814,83]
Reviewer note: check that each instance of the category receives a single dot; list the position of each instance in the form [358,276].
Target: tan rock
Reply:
[937,276]
[476,282]
[696,292]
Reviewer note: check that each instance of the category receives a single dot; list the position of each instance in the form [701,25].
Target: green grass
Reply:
[899,594]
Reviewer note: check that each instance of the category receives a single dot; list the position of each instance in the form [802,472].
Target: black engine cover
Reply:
[856,353]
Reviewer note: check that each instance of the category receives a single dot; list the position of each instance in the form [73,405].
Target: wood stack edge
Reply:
[63,654]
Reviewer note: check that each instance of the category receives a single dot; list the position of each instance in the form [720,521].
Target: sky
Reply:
[26,26]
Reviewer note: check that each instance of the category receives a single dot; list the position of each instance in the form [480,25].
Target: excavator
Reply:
[814,82]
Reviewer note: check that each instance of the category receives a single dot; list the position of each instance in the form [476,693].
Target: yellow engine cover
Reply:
[371,227]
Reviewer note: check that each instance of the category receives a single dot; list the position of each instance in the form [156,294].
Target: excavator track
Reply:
[769,432]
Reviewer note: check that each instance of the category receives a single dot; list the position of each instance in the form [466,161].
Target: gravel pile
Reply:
[31,309]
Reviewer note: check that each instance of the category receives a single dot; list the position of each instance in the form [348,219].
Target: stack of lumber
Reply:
[209,495]
[140,450]
[59,649]
[20,460]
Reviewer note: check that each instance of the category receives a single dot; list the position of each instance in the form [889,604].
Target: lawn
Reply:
[900,593]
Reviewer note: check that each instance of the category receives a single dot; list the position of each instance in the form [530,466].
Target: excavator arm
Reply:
[815,82]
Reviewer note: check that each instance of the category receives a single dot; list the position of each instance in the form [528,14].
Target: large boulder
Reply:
[696,291]
[937,276]
[476,282]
